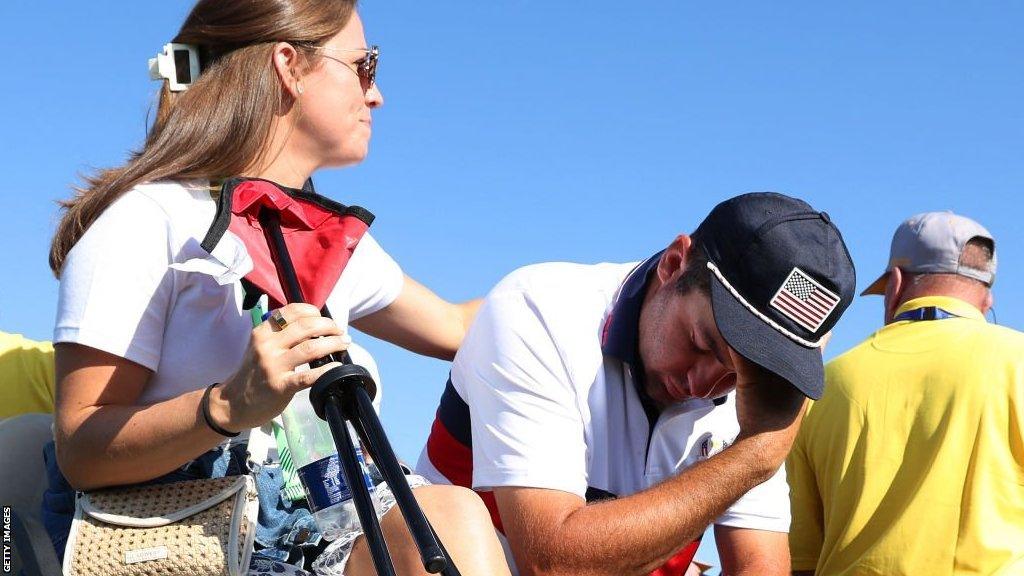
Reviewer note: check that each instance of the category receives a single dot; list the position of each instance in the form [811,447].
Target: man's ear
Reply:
[894,288]
[286,65]
[988,301]
[675,258]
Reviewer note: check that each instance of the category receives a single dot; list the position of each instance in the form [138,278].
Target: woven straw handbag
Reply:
[192,528]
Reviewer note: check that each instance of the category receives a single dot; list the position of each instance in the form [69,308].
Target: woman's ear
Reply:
[286,65]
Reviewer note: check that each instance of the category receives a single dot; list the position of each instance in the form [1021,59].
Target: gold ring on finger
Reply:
[277,320]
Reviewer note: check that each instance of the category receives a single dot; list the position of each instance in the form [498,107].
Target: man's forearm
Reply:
[638,533]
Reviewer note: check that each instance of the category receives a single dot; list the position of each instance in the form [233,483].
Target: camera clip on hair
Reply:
[178,63]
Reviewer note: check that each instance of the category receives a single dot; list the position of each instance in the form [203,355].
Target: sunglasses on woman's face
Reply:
[365,67]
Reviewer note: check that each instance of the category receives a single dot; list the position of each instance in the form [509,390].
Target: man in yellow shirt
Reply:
[912,462]
[26,375]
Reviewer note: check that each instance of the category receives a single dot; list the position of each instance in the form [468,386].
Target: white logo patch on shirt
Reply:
[804,301]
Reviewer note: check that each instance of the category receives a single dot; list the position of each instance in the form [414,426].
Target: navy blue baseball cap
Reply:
[781,278]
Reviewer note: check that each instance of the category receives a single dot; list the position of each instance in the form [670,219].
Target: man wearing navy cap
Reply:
[913,460]
[609,413]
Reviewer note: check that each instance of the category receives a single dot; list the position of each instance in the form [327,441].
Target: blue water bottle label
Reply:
[362,466]
[325,486]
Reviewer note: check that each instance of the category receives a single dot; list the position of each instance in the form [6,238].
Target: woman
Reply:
[287,87]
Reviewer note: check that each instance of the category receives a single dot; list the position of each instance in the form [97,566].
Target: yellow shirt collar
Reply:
[947,303]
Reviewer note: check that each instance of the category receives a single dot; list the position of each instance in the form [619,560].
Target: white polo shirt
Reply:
[543,394]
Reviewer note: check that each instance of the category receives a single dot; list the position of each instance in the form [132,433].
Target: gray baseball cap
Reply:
[932,243]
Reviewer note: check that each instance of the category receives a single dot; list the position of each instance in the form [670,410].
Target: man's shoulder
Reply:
[1003,335]
[844,381]
[1001,344]
[10,341]
[850,359]
[555,278]
[552,311]
[22,359]
[559,289]
[985,344]
[857,348]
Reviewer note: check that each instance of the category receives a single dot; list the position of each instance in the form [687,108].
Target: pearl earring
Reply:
[298,87]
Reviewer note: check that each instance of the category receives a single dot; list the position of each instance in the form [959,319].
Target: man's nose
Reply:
[707,371]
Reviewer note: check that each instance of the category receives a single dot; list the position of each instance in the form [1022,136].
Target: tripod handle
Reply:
[270,221]
[342,356]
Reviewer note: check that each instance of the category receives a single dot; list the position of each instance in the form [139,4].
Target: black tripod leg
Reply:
[451,569]
[354,477]
[369,427]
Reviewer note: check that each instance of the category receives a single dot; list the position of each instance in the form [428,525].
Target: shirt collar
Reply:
[621,340]
[620,337]
[947,303]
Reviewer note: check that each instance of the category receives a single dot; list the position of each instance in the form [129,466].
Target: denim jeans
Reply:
[285,529]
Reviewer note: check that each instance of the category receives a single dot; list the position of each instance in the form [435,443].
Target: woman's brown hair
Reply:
[221,125]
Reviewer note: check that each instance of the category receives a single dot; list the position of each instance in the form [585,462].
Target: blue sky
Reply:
[524,131]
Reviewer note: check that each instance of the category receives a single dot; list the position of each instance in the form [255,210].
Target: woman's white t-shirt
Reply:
[138,285]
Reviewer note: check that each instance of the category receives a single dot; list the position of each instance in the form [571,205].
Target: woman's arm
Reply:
[420,321]
[103,438]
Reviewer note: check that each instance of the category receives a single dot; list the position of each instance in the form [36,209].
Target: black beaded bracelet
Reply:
[206,414]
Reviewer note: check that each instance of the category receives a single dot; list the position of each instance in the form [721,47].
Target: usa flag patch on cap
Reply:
[804,301]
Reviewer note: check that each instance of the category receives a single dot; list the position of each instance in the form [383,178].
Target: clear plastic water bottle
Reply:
[316,461]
